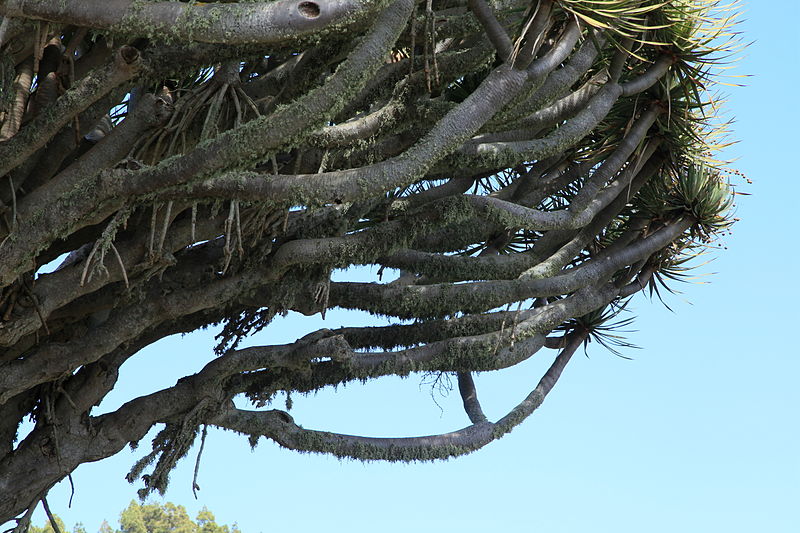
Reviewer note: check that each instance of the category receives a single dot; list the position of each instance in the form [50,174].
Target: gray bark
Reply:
[497,157]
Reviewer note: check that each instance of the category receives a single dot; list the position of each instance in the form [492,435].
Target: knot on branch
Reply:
[129,54]
[309,10]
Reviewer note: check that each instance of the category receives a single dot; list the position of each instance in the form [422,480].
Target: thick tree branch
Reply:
[444,299]
[124,66]
[280,427]
[497,34]
[229,23]
[227,149]
[231,194]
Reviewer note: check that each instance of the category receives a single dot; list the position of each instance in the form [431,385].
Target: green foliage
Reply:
[206,523]
[154,518]
[48,527]
[696,190]
[604,327]
[151,518]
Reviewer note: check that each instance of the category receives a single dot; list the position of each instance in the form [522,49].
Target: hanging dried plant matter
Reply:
[526,165]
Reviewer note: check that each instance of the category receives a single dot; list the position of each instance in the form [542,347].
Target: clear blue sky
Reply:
[698,433]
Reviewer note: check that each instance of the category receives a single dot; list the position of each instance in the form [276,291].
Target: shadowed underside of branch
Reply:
[190,164]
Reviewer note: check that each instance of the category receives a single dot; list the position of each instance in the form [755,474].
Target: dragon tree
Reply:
[527,166]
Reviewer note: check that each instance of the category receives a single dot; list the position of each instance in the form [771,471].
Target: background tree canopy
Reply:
[149,518]
[526,166]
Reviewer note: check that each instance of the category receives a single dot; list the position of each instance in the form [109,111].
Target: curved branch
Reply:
[230,23]
[448,134]
[525,408]
[533,33]
[469,395]
[549,116]
[280,427]
[649,77]
[556,83]
[575,129]
[252,140]
[357,129]
[551,253]
[429,301]
[494,30]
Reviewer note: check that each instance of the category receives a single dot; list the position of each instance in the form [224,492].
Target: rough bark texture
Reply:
[196,163]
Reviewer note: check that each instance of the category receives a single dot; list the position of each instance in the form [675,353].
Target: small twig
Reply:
[36,306]
[413,32]
[195,486]
[323,162]
[51,419]
[167,220]
[139,147]
[89,262]
[499,337]
[322,295]
[153,220]
[24,522]
[194,221]
[50,516]
[514,325]
[249,101]
[427,47]
[532,34]
[195,104]
[239,242]
[37,47]
[13,203]
[121,264]
[227,248]
[210,123]
[76,127]
[237,121]
[12,302]
[71,486]
[67,396]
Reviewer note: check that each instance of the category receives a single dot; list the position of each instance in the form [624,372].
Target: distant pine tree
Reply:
[150,518]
